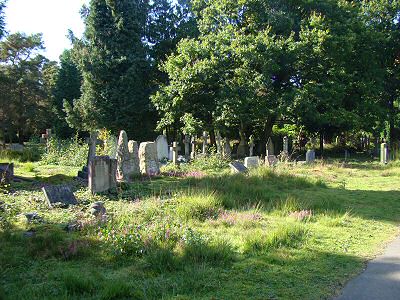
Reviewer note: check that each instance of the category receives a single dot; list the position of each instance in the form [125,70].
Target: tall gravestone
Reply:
[270,147]
[205,142]
[193,150]
[175,150]
[242,147]
[218,139]
[148,158]
[102,174]
[123,158]
[227,150]
[162,147]
[384,153]
[286,145]
[134,166]
[251,146]
[187,147]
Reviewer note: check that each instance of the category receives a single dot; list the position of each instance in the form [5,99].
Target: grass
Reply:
[215,236]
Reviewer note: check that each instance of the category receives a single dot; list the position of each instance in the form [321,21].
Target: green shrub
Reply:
[31,153]
[72,152]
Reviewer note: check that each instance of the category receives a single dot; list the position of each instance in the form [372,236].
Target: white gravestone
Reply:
[162,147]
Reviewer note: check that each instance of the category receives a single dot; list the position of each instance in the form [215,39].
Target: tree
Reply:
[25,101]
[111,58]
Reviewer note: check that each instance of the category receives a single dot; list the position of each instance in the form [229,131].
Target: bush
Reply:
[72,152]
[31,153]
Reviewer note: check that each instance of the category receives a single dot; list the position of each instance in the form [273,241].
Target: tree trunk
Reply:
[321,143]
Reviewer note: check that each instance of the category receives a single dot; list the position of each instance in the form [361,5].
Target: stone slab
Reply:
[238,167]
[252,162]
[102,174]
[59,194]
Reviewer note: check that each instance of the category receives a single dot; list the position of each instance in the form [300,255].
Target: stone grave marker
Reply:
[227,150]
[270,147]
[193,150]
[251,162]
[310,156]
[162,147]
[384,153]
[286,145]
[175,150]
[237,167]
[205,142]
[187,147]
[16,147]
[102,174]
[148,159]
[242,147]
[251,146]
[6,172]
[271,160]
[123,158]
[134,166]
[219,143]
[59,194]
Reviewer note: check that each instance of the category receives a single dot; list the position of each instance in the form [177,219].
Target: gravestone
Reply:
[251,162]
[162,147]
[175,150]
[187,147]
[148,159]
[384,153]
[205,141]
[170,153]
[219,144]
[242,147]
[251,146]
[16,147]
[102,174]
[134,167]
[237,167]
[271,160]
[270,147]
[59,194]
[123,158]
[227,150]
[310,156]
[6,172]
[286,145]
[193,150]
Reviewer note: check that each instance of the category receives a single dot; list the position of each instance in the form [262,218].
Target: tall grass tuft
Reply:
[72,152]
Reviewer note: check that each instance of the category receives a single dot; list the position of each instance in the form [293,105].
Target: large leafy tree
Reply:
[111,58]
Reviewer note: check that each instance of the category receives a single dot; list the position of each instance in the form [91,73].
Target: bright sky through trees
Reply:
[53,18]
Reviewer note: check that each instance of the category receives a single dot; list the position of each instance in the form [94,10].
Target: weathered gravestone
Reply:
[59,195]
[242,147]
[251,162]
[16,147]
[218,140]
[134,166]
[123,158]
[237,167]
[187,147]
[175,150]
[102,174]
[384,153]
[205,142]
[193,150]
[251,146]
[271,160]
[270,147]
[6,172]
[286,145]
[148,158]
[227,150]
[162,147]
[310,156]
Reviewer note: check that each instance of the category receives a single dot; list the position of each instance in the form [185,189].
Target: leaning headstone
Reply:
[251,162]
[148,158]
[123,158]
[271,160]
[310,156]
[237,167]
[6,172]
[102,174]
[162,147]
[384,153]
[134,166]
[59,195]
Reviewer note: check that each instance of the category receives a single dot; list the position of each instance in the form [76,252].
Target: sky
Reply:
[53,18]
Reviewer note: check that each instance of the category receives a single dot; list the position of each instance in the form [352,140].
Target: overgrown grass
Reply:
[295,232]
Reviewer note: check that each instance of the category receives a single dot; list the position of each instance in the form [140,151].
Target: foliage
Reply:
[71,152]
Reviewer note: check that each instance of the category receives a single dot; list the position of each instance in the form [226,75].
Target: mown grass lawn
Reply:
[218,236]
